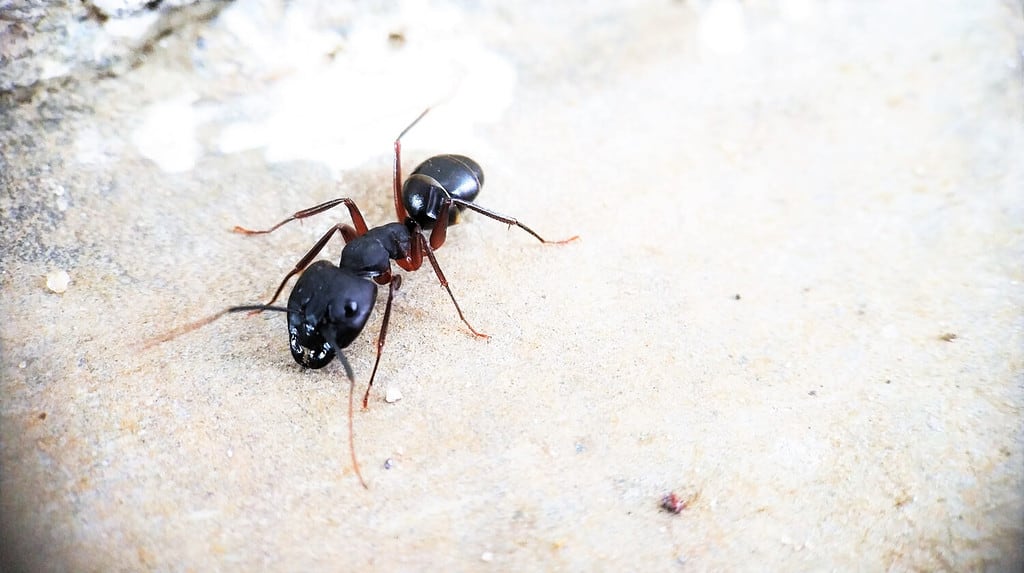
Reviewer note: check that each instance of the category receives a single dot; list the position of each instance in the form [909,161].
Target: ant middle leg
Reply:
[353,210]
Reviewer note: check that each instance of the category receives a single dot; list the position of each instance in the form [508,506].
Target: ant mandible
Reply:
[330,304]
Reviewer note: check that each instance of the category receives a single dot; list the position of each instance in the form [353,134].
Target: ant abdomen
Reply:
[436,179]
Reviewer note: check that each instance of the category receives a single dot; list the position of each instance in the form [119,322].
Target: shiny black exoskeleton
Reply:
[439,178]
[331,304]
[326,311]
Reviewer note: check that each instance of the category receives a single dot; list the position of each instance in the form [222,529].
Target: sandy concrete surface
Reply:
[796,301]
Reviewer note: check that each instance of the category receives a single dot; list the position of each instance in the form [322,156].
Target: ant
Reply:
[330,304]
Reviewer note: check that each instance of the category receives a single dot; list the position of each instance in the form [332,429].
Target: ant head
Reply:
[439,178]
[326,311]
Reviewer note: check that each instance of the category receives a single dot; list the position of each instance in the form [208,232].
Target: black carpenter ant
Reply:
[330,304]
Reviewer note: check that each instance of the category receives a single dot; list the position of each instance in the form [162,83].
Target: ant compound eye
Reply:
[351,308]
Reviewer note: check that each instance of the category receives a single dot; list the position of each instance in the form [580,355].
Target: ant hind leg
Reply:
[508,221]
[353,210]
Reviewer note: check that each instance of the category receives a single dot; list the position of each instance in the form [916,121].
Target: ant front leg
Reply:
[353,210]
[347,233]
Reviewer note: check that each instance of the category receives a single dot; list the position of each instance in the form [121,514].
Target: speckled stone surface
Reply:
[796,301]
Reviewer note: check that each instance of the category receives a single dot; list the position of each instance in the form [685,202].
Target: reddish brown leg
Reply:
[172,334]
[504,219]
[440,231]
[395,282]
[400,212]
[353,210]
[347,232]
[351,430]
[414,260]
[420,244]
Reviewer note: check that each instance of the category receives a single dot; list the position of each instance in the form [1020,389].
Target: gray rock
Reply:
[42,41]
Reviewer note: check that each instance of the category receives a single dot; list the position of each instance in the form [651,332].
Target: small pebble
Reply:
[392,394]
[388,464]
[62,198]
[58,281]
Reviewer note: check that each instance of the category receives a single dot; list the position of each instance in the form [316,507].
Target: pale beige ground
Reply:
[777,233]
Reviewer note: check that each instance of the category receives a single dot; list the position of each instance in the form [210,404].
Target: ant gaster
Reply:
[330,304]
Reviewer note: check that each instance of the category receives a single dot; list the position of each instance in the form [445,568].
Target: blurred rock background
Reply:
[796,301]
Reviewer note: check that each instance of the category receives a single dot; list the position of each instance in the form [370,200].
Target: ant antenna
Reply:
[351,409]
[195,325]
[348,372]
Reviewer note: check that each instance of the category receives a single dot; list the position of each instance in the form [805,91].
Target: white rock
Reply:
[58,281]
[392,394]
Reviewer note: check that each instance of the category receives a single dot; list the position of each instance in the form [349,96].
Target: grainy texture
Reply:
[49,41]
[785,210]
